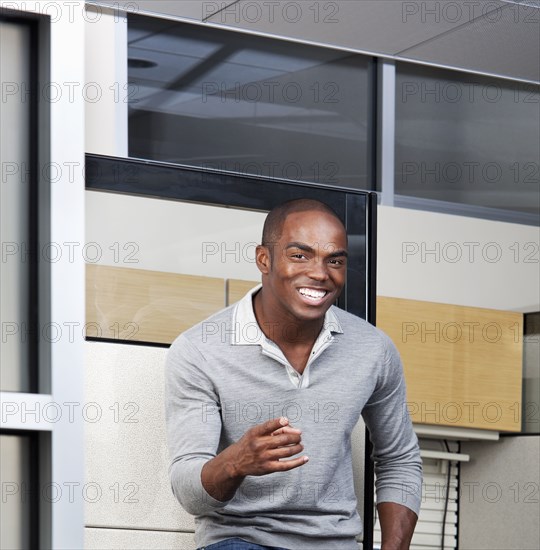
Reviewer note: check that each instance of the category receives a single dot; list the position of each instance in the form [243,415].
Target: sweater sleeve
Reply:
[193,418]
[398,466]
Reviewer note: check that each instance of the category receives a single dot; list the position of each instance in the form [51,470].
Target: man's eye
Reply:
[298,255]
[337,261]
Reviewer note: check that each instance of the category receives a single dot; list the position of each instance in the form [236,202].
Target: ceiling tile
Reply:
[191,9]
[506,43]
[385,27]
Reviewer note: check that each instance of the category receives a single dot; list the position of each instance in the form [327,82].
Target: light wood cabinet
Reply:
[147,306]
[463,365]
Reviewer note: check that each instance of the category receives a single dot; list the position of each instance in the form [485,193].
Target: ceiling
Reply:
[495,37]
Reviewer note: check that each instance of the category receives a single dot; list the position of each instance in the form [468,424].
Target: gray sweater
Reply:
[223,376]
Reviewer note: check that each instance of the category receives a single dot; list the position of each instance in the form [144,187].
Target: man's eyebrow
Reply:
[339,253]
[301,246]
[306,248]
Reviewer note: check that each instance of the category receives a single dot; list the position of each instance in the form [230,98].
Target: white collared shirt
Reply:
[247,332]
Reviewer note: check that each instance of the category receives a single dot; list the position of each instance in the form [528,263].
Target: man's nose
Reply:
[318,271]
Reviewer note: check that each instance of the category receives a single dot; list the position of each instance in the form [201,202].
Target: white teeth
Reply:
[311,293]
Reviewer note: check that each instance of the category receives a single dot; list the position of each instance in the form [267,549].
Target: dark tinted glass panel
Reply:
[207,97]
[15,195]
[467,139]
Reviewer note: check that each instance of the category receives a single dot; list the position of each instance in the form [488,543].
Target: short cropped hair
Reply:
[273,225]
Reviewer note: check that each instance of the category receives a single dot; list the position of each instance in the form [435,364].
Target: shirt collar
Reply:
[246,330]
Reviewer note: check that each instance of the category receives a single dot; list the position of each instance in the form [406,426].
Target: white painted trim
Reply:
[386,130]
[442,455]
[460,434]
[65,28]
[27,411]
[67,144]
[106,57]
[121,68]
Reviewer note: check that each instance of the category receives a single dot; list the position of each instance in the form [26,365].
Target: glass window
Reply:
[188,262]
[15,185]
[230,101]
[467,139]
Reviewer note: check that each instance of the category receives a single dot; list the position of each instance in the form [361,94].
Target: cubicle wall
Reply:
[161,271]
[156,265]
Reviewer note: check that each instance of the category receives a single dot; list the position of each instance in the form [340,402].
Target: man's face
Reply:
[306,272]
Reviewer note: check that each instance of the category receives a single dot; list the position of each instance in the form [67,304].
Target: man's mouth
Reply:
[313,295]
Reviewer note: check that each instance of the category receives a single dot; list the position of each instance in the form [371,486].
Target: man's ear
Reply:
[263,259]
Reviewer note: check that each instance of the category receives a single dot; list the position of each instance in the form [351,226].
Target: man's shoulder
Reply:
[350,321]
[359,329]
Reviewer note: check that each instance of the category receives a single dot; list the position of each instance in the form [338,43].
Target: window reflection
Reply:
[467,139]
[207,97]
[15,197]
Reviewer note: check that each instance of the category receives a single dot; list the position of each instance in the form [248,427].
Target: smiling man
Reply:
[263,396]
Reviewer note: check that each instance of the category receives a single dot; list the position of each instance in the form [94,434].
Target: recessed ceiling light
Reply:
[134,63]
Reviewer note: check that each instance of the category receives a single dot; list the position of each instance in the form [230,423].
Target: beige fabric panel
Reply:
[147,306]
[463,365]
[120,539]
[499,506]
[127,459]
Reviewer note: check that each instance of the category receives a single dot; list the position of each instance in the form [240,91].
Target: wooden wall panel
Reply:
[237,289]
[463,365]
[147,306]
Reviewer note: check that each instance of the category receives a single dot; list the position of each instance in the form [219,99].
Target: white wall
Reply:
[421,255]
[457,260]
[106,82]
[172,236]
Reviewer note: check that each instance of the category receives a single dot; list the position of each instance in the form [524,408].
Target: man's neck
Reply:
[285,331]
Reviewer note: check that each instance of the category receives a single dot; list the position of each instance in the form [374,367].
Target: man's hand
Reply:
[260,451]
